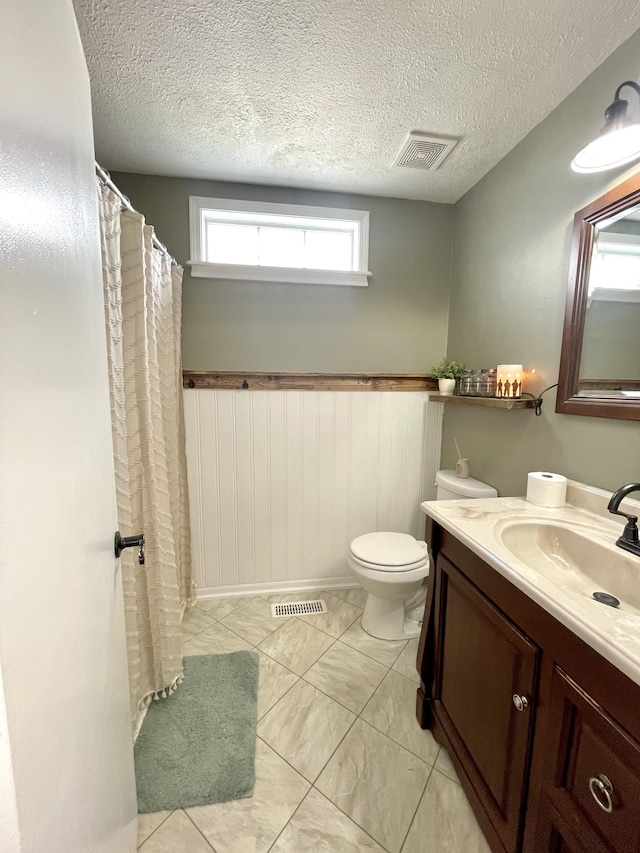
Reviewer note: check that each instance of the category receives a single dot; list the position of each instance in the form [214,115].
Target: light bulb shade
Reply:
[613,147]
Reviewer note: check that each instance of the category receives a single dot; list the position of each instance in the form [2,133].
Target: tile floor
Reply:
[341,763]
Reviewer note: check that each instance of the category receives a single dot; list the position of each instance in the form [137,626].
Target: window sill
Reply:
[613,294]
[286,275]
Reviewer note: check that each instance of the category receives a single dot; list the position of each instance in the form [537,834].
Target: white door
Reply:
[66,768]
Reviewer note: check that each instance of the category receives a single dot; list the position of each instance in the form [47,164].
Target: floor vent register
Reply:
[299,608]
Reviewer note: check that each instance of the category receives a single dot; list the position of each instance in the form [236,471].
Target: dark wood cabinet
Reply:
[590,793]
[544,732]
[483,663]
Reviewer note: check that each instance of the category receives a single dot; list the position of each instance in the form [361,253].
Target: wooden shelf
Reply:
[486,402]
[258,381]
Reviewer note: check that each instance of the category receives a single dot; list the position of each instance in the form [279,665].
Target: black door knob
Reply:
[122,542]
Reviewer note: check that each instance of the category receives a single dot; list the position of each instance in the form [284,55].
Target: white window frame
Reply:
[245,272]
[618,244]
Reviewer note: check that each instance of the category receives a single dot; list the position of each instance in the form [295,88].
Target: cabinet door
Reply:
[485,692]
[591,777]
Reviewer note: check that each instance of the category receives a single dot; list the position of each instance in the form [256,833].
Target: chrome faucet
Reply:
[629,540]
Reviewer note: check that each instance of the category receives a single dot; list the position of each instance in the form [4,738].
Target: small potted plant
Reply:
[447,373]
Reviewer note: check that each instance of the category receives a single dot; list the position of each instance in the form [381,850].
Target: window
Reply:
[615,269]
[257,241]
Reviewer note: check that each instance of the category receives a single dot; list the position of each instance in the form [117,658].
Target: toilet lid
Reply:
[388,549]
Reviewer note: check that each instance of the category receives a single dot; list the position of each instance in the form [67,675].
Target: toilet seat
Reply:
[395,570]
[388,552]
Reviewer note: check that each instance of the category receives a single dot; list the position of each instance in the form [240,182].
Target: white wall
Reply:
[66,759]
[9,825]
[281,481]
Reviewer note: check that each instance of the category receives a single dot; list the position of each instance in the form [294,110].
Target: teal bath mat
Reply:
[198,746]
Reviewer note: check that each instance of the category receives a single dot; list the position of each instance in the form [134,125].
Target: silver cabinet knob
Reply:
[601,790]
[521,702]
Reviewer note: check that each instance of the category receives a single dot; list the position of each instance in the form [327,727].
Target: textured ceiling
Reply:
[321,93]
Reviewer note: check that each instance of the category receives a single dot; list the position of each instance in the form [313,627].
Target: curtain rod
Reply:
[105,177]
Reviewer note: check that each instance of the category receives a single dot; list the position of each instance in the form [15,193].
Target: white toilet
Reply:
[449,487]
[393,567]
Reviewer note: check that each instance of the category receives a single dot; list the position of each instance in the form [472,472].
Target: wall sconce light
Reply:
[617,143]
[509,382]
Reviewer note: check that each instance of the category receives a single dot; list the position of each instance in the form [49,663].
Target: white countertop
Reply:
[613,632]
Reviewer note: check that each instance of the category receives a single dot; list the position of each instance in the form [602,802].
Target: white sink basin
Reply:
[559,558]
[573,558]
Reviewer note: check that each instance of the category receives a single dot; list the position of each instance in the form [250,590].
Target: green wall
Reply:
[509,279]
[611,344]
[508,285]
[398,324]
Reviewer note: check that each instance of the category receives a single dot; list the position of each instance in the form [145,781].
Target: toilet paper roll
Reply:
[545,489]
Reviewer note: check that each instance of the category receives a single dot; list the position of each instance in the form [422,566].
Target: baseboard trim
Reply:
[307,585]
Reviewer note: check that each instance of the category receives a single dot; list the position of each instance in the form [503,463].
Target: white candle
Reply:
[509,380]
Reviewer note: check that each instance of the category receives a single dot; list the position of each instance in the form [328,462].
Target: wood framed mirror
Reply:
[600,357]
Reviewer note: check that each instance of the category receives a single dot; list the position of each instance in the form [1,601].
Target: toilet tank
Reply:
[449,487]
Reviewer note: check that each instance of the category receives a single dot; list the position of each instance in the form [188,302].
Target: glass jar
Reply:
[469,383]
[478,383]
[487,382]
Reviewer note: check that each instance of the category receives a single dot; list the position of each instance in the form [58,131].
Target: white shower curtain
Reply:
[143,293]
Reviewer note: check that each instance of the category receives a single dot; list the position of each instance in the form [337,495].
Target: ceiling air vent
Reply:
[425,151]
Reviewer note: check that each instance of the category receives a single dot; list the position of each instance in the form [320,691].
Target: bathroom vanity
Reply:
[531,685]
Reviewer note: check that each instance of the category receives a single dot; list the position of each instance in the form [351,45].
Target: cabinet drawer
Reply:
[592,779]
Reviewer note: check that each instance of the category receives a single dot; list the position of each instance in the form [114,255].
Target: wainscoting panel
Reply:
[281,481]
